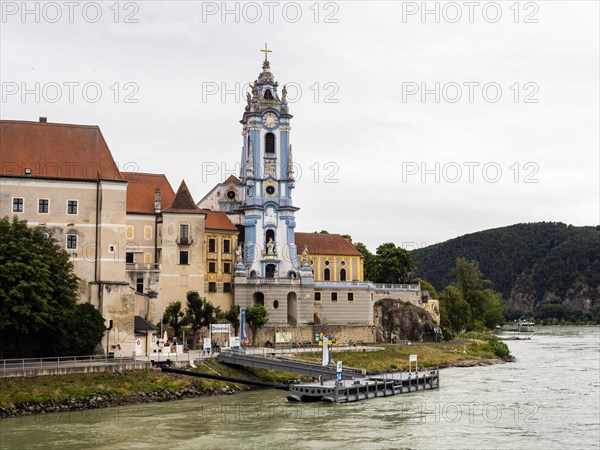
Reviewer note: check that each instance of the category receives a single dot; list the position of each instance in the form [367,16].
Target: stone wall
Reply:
[344,333]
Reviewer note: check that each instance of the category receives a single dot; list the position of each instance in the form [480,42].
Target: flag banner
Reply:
[243,336]
[325,353]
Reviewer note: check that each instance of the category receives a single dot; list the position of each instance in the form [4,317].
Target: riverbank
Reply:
[81,391]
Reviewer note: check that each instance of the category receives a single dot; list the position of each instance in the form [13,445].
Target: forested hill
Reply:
[535,265]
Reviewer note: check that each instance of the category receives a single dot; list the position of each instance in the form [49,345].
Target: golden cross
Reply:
[266,51]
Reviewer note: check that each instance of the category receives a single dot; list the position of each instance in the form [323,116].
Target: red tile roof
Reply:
[218,221]
[54,150]
[140,191]
[183,202]
[325,244]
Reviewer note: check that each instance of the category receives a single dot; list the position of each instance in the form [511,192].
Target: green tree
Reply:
[79,333]
[256,317]
[368,259]
[200,313]
[175,317]
[455,312]
[494,308]
[391,264]
[472,285]
[233,317]
[427,286]
[38,288]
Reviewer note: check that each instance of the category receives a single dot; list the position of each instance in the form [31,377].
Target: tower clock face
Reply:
[270,120]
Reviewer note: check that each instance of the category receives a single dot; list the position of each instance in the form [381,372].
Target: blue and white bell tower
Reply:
[267,175]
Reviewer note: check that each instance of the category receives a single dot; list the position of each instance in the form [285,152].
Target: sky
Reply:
[414,122]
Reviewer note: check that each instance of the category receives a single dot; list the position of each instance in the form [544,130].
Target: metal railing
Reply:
[279,280]
[60,362]
[142,266]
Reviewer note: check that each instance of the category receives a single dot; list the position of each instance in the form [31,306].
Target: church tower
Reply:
[267,271]
[267,176]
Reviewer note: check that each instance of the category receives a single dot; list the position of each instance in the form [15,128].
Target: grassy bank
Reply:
[461,352]
[125,385]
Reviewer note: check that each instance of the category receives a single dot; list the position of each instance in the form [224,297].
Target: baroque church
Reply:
[138,245]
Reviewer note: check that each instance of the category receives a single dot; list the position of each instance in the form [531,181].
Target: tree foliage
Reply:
[256,317]
[175,317]
[233,317]
[391,264]
[199,313]
[427,286]
[38,294]
[555,257]
[455,312]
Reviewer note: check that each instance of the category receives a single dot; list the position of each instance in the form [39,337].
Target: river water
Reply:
[549,398]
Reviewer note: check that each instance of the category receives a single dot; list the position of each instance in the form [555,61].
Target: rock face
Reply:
[395,319]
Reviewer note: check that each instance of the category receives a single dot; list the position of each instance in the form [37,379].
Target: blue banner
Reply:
[243,324]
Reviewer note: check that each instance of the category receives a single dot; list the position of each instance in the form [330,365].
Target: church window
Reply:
[18,204]
[268,95]
[71,206]
[317,296]
[275,304]
[231,195]
[43,206]
[343,275]
[184,257]
[270,190]
[327,275]
[129,258]
[334,296]
[71,241]
[270,144]
[270,271]
[350,296]
[326,263]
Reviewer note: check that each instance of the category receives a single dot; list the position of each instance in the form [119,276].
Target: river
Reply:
[549,398]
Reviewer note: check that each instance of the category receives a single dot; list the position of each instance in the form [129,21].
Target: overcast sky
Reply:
[407,127]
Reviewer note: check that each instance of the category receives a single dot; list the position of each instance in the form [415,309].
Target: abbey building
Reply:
[138,244]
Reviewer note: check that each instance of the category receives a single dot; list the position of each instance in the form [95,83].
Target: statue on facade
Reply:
[284,94]
[305,255]
[255,89]
[238,252]
[270,247]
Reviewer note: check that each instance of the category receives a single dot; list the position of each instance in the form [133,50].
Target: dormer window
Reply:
[270,144]
[268,95]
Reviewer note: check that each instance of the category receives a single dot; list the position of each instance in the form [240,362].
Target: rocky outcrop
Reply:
[395,319]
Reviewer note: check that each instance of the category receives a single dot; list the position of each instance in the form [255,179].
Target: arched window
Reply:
[343,275]
[326,275]
[270,271]
[268,95]
[270,144]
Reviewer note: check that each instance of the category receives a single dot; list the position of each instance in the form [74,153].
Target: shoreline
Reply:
[112,400]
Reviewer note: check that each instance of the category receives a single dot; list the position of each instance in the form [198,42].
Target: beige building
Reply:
[136,245]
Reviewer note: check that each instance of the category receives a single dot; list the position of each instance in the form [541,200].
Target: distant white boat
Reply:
[520,326]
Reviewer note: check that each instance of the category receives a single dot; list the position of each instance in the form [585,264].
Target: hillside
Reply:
[550,268]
